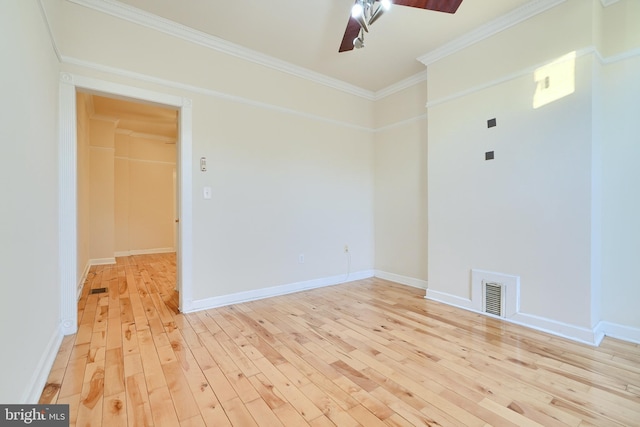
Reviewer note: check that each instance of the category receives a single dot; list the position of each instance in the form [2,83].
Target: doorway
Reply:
[127,191]
[68,199]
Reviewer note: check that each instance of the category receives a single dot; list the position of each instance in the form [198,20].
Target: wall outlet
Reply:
[301,259]
[346,249]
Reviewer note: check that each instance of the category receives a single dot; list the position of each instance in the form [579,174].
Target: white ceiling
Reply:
[307,33]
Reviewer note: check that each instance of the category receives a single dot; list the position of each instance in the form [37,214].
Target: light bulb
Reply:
[357,10]
[386,4]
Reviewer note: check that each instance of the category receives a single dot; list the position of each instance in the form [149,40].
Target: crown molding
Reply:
[140,17]
[68,78]
[606,3]
[401,85]
[491,28]
[54,45]
[588,50]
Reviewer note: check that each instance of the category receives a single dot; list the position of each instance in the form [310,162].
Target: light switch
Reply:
[206,192]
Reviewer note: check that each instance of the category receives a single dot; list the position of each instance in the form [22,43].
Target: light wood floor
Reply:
[370,353]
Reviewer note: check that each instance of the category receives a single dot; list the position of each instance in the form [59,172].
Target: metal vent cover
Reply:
[98,291]
[493,298]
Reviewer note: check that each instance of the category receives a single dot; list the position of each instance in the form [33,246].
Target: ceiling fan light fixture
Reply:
[358,42]
[382,7]
[365,12]
[358,12]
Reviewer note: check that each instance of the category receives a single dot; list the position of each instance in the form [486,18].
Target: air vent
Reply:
[98,291]
[493,298]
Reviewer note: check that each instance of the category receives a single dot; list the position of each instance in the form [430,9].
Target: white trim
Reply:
[145,252]
[140,17]
[401,85]
[450,299]
[591,50]
[621,332]
[102,117]
[184,241]
[39,378]
[67,205]
[274,291]
[550,326]
[131,159]
[102,261]
[607,3]
[489,29]
[203,91]
[633,53]
[83,278]
[554,327]
[401,123]
[51,38]
[141,135]
[69,83]
[403,280]
[228,97]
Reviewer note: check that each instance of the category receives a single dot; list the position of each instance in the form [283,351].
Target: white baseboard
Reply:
[554,327]
[621,332]
[145,251]
[83,277]
[102,261]
[403,280]
[207,303]
[450,299]
[561,329]
[40,375]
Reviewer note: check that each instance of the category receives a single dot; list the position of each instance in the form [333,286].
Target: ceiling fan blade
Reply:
[448,6]
[350,33]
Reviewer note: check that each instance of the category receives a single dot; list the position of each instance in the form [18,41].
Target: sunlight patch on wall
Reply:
[555,80]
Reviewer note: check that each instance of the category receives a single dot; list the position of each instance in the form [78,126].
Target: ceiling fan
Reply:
[365,12]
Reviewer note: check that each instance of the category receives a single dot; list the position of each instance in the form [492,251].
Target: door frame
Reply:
[68,180]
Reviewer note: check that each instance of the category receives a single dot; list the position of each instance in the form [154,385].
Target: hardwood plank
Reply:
[181,395]
[91,402]
[138,402]
[114,372]
[263,414]
[162,408]
[369,352]
[238,413]
[115,410]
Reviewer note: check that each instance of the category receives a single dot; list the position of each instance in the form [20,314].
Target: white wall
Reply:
[144,204]
[621,172]
[30,308]
[526,213]
[282,186]
[290,161]
[101,189]
[401,186]
[555,206]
